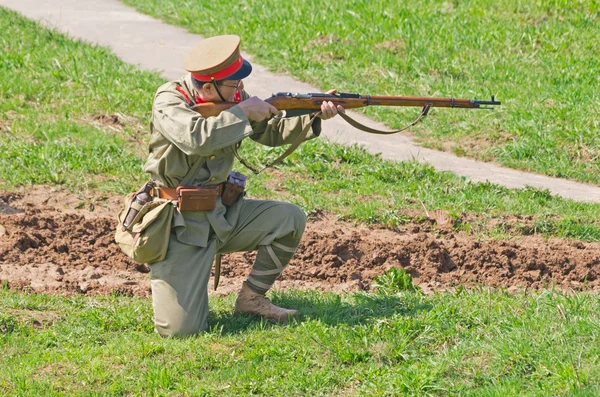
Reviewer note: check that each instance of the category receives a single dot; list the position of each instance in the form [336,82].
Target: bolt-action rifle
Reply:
[300,104]
[294,104]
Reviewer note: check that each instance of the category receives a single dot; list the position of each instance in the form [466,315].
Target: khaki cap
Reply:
[217,58]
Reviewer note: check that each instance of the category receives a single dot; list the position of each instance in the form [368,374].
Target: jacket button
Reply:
[213,179]
[211,158]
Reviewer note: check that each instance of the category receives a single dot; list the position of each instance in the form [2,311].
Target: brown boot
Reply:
[252,302]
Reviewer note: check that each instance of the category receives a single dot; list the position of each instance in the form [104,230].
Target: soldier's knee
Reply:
[172,317]
[296,215]
[178,327]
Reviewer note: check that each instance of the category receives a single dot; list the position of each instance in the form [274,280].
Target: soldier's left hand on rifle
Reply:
[328,108]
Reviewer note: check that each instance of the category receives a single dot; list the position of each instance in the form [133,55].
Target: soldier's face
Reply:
[228,89]
[236,84]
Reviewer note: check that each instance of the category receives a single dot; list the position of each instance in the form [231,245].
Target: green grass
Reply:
[55,91]
[540,58]
[51,89]
[467,343]
[395,341]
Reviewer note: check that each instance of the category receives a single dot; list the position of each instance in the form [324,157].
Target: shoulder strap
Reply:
[301,138]
[191,173]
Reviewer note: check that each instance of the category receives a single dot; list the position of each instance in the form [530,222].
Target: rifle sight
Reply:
[492,102]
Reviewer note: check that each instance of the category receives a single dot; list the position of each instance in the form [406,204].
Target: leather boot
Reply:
[252,302]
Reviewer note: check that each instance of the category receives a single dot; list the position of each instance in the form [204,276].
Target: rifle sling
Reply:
[301,138]
[370,130]
[306,130]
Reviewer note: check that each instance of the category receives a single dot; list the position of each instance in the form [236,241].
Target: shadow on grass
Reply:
[330,309]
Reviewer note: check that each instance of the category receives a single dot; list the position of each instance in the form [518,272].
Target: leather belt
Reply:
[171,193]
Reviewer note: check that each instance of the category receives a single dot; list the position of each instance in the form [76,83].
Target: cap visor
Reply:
[242,73]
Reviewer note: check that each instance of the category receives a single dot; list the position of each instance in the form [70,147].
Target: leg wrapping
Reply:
[270,262]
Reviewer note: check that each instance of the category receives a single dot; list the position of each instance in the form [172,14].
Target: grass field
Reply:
[467,343]
[540,58]
[58,103]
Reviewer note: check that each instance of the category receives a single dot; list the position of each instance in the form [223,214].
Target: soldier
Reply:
[188,149]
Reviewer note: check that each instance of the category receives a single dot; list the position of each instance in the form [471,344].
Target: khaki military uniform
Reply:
[180,138]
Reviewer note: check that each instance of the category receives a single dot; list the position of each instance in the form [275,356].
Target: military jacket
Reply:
[181,136]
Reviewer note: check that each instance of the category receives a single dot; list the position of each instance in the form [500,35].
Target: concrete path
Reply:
[154,45]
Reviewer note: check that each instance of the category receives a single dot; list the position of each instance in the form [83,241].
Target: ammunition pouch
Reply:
[197,198]
[233,188]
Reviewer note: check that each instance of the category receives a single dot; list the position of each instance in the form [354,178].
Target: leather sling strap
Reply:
[301,138]
[370,130]
[304,134]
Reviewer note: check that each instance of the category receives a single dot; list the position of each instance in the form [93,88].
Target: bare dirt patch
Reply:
[58,242]
[111,121]
[397,46]
[324,40]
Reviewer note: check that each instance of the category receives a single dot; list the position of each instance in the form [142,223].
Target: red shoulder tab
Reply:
[187,98]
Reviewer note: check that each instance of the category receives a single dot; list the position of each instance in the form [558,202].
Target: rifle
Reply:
[300,104]
[295,104]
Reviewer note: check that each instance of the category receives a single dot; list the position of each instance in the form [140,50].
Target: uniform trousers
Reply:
[180,281]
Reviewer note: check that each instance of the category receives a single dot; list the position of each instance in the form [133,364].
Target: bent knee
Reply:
[174,317]
[296,215]
[178,328]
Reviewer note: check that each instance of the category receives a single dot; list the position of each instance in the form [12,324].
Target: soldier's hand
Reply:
[328,109]
[256,109]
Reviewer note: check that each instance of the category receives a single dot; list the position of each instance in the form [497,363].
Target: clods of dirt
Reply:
[53,243]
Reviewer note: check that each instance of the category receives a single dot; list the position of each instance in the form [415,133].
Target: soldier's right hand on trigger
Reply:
[256,109]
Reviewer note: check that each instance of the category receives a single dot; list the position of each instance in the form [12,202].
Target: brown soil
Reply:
[57,242]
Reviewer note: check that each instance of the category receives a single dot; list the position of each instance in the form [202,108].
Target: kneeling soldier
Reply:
[188,149]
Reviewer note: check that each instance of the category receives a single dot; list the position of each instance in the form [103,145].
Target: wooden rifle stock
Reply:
[295,104]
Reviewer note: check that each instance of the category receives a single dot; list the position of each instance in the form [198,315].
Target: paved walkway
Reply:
[154,45]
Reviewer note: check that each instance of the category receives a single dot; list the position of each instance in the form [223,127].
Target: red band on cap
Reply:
[221,74]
